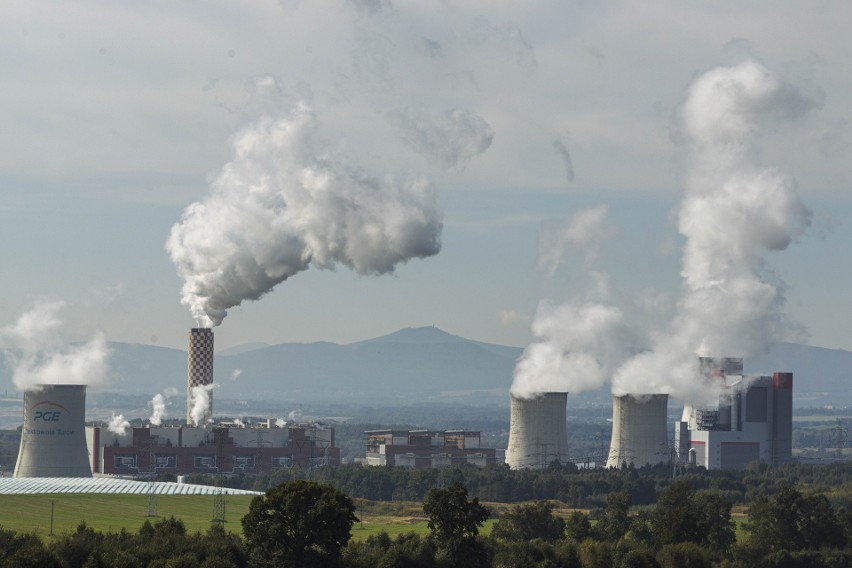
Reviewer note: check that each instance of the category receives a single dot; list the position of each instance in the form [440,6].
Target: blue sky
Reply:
[116,116]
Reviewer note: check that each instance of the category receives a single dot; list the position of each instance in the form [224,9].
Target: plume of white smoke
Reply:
[579,344]
[578,348]
[118,425]
[295,416]
[235,374]
[39,355]
[452,137]
[287,201]
[280,422]
[199,401]
[735,211]
[158,409]
[585,230]
[239,422]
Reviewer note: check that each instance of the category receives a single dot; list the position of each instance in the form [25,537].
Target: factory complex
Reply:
[751,421]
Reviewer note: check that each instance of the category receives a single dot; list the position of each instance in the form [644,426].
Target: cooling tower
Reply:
[639,431]
[537,432]
[53,436]
[199,372]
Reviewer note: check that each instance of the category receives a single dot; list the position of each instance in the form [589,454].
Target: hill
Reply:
[418,365]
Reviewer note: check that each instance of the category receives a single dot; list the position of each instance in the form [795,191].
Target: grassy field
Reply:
[111,513]
[31,513]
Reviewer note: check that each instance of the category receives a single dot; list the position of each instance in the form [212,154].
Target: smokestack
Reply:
[199,374]
[639,432]
[53,436]
[537,431]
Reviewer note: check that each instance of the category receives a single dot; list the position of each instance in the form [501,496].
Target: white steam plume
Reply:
[158,409]
[235,374]
[118,425]
[452,137]
[586,229]
[579,344]
[287,201]
[280,422]
[39,355]
[579,347]
[734,213]
[199,400]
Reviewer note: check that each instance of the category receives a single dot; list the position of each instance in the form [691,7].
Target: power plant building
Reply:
[424,449]
[538,433]
[218,449]
[639,430]
[53,439]
[753,421]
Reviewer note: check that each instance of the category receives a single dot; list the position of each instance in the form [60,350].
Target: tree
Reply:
[616,520]
[451,515]
[577,526]
[454,521]
[298,524]
[526,522]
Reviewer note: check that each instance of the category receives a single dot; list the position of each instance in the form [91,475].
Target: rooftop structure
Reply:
[424,449]
[210,450]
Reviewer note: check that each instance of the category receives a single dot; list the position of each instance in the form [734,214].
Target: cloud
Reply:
[452,137]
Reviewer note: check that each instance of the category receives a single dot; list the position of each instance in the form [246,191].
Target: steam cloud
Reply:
[199,400]
[287,201]
[118,425]
[158,409]
[40,356]
[734,212]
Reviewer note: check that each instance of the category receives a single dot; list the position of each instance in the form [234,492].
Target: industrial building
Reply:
[752,421]
[424,449]
[53,442]
[538,433]
[639,430]
[224,449]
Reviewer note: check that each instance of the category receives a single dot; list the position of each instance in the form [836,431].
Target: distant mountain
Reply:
[243,348]
[411,365]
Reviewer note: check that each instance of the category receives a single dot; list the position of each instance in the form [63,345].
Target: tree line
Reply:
[578,488]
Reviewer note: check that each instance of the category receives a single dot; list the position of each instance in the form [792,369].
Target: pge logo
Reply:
[50,413]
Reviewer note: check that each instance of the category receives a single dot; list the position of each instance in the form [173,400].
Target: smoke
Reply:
[39,355]
[578,349]
[158,409]
[734,213]
[586,229]
[238,422]
[295,416]
[235,374]
[118,425]
[280,422]
[578,344]
[452,137]
[199,400]
[287,201]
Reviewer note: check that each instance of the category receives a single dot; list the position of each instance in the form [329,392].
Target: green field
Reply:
[111,513]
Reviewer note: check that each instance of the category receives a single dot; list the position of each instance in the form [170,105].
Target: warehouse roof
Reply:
[44,485]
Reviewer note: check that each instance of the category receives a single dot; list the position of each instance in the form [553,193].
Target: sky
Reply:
[501,120]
